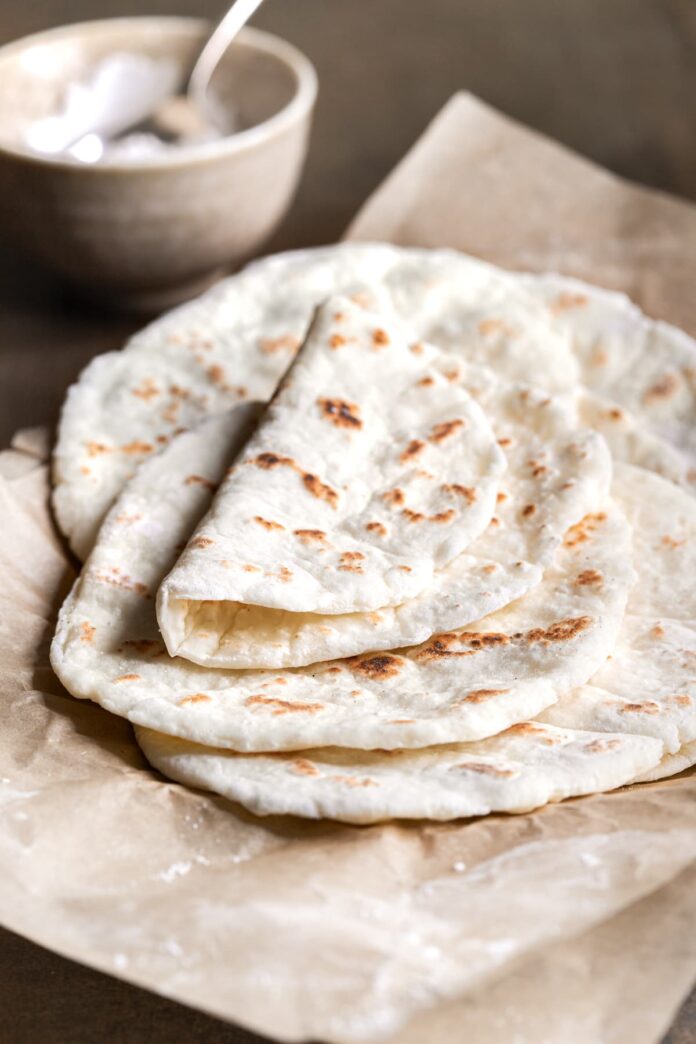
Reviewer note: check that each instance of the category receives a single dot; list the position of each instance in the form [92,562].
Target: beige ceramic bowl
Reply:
[149,233]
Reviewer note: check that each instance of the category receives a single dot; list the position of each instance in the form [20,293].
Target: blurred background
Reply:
[613,79]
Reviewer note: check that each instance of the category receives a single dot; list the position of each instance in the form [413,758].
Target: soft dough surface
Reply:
[235,342]
[522,768]
[460,685]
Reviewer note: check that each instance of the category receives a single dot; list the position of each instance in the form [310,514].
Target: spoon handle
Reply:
[217,43]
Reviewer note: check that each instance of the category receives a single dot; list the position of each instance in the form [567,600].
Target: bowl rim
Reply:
[301,103]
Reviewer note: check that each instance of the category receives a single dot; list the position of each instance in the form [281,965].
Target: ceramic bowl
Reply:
[151,232]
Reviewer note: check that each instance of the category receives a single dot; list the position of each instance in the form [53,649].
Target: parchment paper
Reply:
[574,923]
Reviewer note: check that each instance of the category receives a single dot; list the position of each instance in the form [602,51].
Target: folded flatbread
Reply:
[276,576]
[463,684]
[369,470]
[585,742]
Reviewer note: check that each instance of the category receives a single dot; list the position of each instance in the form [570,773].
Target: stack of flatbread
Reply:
[372,532]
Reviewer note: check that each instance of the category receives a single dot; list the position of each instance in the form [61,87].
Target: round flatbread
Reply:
[460,685]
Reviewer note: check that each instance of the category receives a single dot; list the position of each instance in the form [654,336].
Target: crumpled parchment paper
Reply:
[573,923]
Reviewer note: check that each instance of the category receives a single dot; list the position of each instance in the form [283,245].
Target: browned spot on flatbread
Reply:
[312,537]
[337,340]
[405,569]
[286,343]
[395,497]
[445,429]
[528,511]
[319,489]
[136,447]
[664,388]
[281,707]
[380,667]
[376,527]
[125,519]
[481,695]
[440,646]
[414,448]
[486,769]
[114,578]
[84,470]
[216,374]
[589,578]
[126,678]
[599,746]
[248,568]
[87,631]
[487,327]
[501,497]
[413,516]
[567,301]
[468,492]
[452,375]
[657,631]
[272,460]
[146,390]
[527,728]
[443,516]
[581,531]
[341,413]
[303,767]
[380,338]
[267,523]
[470,642]
[349,562]
[196,697]
[505,441]
[354,781]
[312,483]
[199,480]
[425,382]
[561,631]
[200,542]
[682,699]
[95,449]
[416,348]
[646,707]
[401,721]
[285,574]
[672,542]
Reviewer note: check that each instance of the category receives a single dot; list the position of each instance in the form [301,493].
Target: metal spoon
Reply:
[166,115]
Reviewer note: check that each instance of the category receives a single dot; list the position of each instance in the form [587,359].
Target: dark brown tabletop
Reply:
[614,79]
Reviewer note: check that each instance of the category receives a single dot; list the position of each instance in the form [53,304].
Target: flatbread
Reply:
[556,473]
[368,471]
[645,366]
[646,689]
[519,770]
[648,686]
[461,685]
[235,342]
[670,765]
